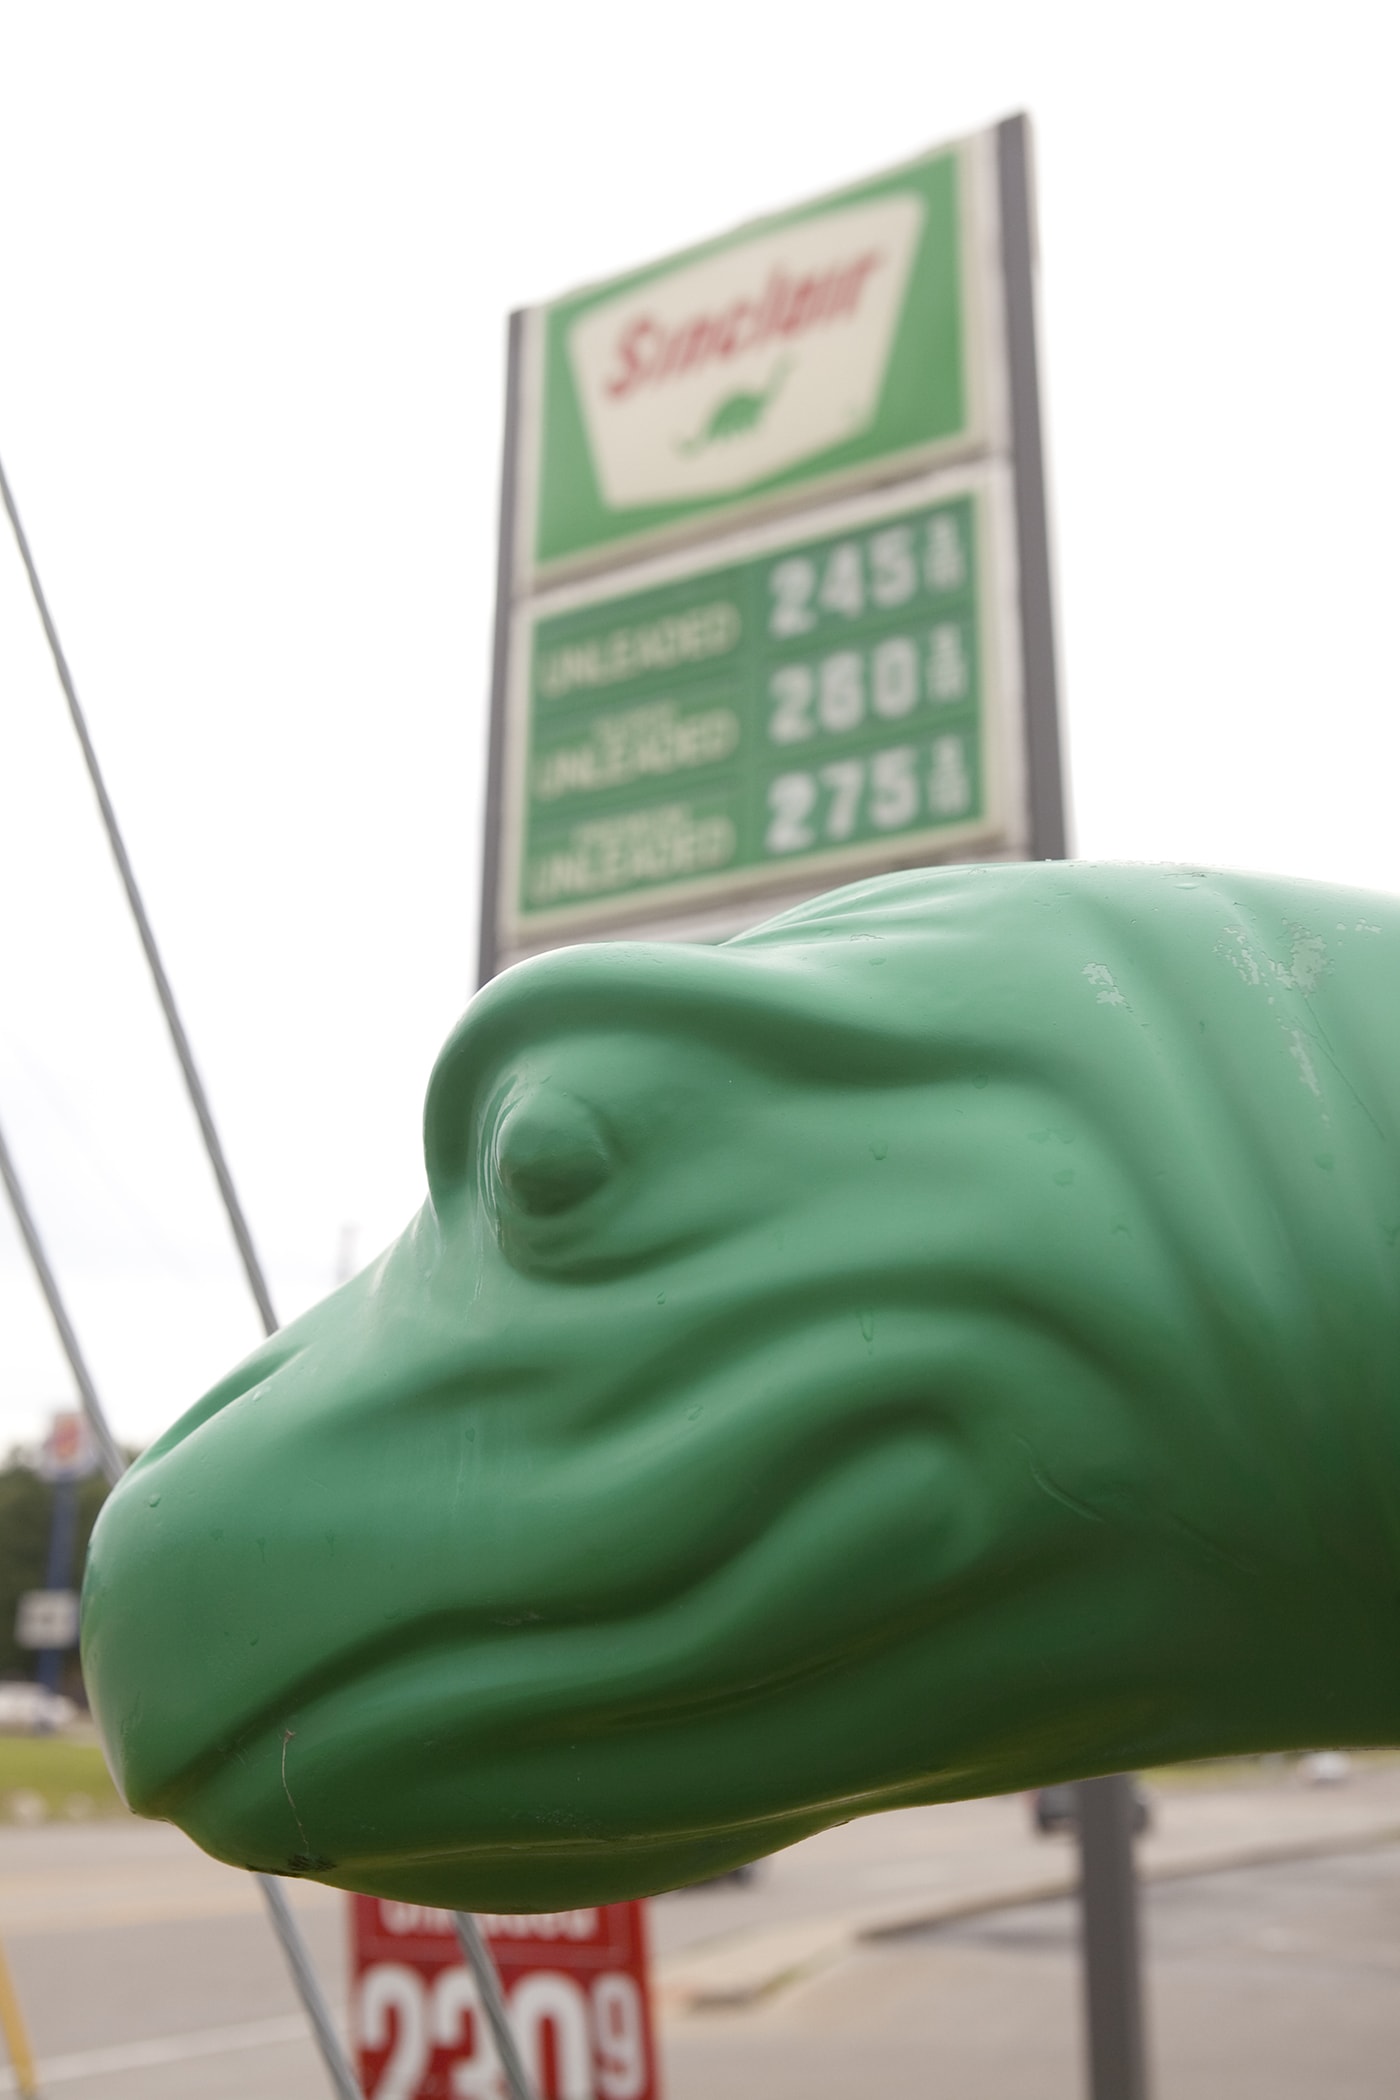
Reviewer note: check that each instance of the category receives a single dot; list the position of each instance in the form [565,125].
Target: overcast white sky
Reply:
[254,266]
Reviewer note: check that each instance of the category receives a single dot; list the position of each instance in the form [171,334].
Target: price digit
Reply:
[547,1995]
[843,586]
[845,779]
[791,799]
[842,702]
[895,684]
[894,789]
[792,584]
[790,690]
[455,2007]
[894,573]
[391,2005]
[621,2043]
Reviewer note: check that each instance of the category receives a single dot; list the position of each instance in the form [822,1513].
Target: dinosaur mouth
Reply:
[808,1496]
[445,1733]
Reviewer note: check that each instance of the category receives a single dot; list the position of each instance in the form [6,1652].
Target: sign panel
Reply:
[575,1982]
[819,706]
[47,1619]
[774,608]
[816,349]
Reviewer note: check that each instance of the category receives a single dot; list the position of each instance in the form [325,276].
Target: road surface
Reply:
[148,1973]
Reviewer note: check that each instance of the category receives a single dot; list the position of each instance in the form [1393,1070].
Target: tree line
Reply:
[26,1513]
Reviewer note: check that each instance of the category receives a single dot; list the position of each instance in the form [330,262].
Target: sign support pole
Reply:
[500,659]
[1117,2046]
[1112,1960]
[1040,678]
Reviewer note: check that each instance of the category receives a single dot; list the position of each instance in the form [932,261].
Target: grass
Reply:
[54,1778]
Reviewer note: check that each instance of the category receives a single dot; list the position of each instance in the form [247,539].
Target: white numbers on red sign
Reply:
[594,2034]
[392,2008]
[620,2026]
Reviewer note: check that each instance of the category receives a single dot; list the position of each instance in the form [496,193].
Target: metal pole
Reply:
[1117,2048]
[488,1984]
[1112,1961]
[337,2063]
[252,1267]
[333,2055]
[500,658]
[1040,679]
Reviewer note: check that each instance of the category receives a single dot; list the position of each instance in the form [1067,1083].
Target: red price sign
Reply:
[575,1982]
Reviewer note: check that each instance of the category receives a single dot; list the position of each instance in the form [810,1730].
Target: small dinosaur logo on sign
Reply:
[737,413]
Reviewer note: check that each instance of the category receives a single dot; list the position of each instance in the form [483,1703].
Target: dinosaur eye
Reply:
[551,1152]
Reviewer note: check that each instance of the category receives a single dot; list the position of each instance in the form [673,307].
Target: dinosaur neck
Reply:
[1289,1461]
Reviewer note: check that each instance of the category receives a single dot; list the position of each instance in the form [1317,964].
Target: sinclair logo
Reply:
[720,373]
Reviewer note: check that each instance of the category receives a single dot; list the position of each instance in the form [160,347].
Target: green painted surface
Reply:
[923,400]
[944,1341]
[738,412]
[762,719]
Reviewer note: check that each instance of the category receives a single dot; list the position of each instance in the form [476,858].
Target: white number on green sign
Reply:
[799,596]
[885,785]
[830,696]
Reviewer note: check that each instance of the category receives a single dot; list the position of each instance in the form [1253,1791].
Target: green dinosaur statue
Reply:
[943,1341]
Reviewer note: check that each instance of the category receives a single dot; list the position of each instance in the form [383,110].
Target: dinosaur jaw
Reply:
[446,1747]
[442,1777]
[485,1715]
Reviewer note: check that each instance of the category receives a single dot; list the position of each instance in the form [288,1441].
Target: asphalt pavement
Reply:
[1266,1983]
[148,1972]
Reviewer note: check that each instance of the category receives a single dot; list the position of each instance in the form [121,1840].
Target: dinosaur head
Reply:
[910,1351]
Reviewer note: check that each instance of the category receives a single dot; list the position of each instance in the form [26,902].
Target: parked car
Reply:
[27,1708]
[736,1877]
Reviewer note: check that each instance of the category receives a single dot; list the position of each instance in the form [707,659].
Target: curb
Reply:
[746,1970]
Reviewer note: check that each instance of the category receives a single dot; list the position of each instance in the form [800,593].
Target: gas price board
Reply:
[575,1983]
[773,716]
[773,606]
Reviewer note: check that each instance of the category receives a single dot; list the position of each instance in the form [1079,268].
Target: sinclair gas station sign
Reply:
[790,357]
[762,622]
